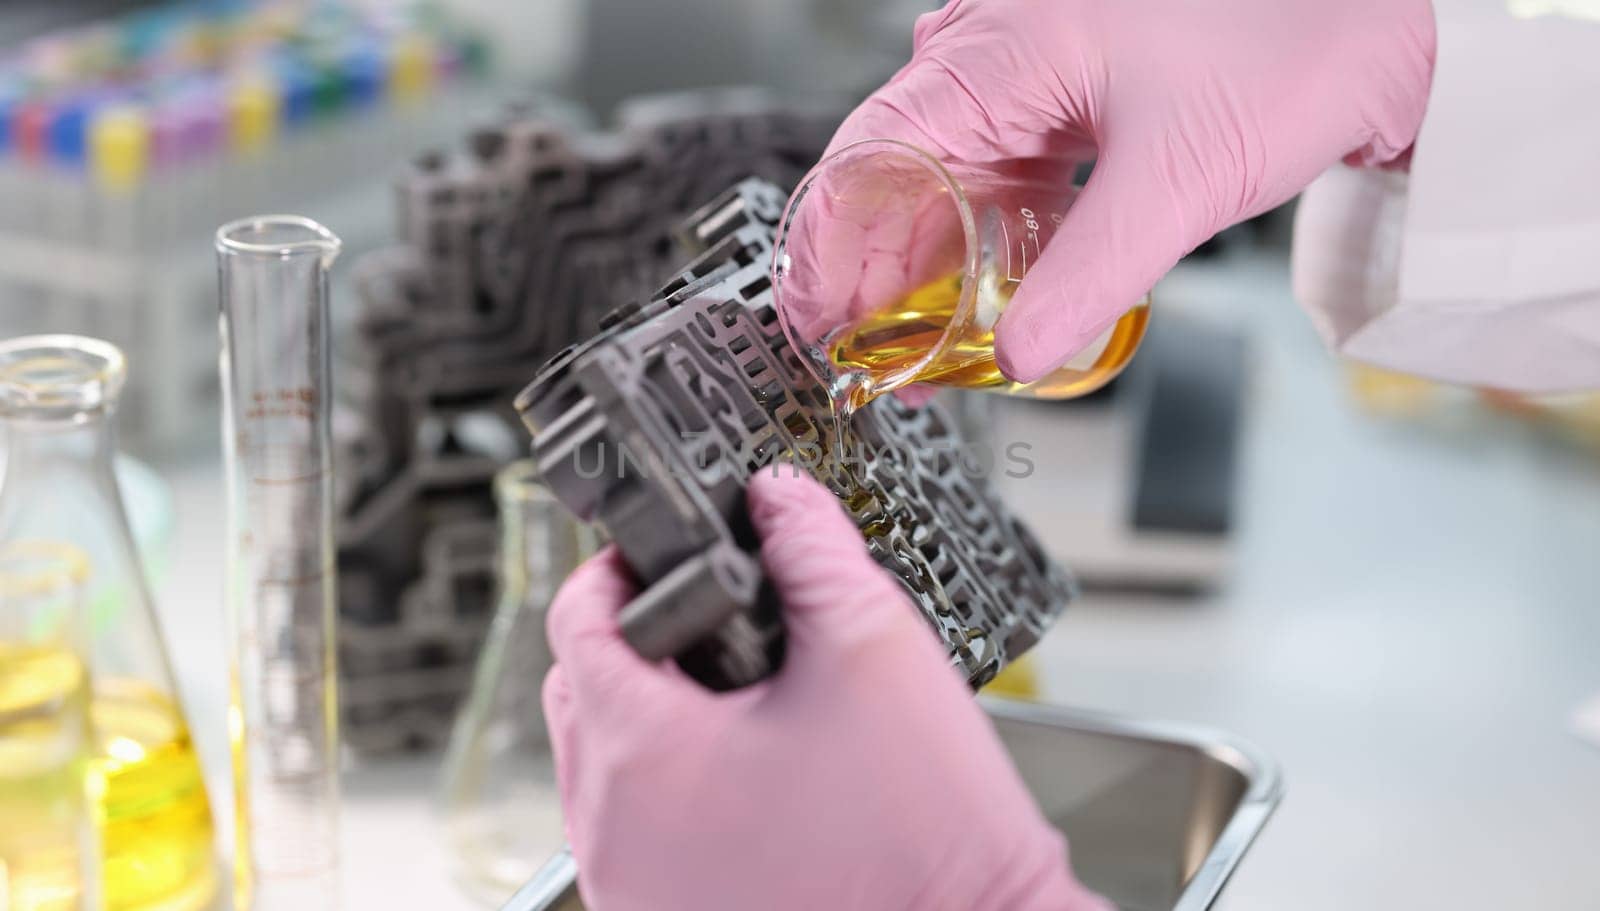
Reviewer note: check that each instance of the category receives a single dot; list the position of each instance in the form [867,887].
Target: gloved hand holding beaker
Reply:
[1197,115]
[862,776]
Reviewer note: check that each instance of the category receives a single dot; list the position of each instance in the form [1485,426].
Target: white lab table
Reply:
[1413,618]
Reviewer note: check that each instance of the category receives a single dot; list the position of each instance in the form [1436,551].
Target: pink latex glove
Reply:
[862,776]
[1199,113]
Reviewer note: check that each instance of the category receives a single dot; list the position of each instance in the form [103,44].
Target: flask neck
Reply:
[59,471]
[58,399]
[527,548]
[513,546]
[83,442]
[48,463]
[539,545]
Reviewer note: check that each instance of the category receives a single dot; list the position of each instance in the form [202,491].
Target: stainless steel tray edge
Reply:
[1261,798]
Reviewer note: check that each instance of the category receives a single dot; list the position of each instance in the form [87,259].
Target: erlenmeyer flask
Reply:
[501,811]
[58,396]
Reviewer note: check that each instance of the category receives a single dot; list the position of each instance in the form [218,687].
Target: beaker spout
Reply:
[278,236]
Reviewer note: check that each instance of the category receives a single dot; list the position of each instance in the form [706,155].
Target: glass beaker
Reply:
[893,268]
[58,397]
[49,848]
[498,797]
[283,708]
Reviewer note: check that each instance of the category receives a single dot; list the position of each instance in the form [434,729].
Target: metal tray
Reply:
[1158,815]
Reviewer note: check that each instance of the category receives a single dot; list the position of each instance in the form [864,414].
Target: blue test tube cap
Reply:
[297,85]
[364,75]
[10,96]
[67,136]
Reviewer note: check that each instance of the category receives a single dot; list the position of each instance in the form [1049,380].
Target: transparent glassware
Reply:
[283,707]
[893,268]
[498,795]
[58,398]
[49,846]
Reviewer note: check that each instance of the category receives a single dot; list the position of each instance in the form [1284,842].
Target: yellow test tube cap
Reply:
[253,104]
[411,67]
[119,147]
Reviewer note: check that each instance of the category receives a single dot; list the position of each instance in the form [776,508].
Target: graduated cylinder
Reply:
[283,710]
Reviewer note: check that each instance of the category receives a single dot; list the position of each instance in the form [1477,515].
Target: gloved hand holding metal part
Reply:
[862,776]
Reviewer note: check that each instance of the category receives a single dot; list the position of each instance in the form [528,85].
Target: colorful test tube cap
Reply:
[363,75]
[167,139]
[31,128]
[119,147]
[205,123]
[10,98]
[298,84]
[66,136]
[254,102]
[411,67]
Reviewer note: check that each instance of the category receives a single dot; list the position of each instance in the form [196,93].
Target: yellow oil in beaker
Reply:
[45,754]
[153,818]
[896,337]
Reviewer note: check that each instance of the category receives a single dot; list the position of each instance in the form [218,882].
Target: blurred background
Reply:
[1388,585]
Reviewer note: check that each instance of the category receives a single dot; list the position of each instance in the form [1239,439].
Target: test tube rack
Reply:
[653,427]
[123,145]
[511,246]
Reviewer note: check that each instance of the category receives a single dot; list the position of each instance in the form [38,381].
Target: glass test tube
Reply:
[283,711]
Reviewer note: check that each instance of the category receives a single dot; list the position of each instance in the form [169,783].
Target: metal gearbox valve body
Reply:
[510,248]
[653,427]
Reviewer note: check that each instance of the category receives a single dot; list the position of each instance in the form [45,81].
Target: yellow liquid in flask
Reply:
[153,817]
[891,340]
[156,834]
